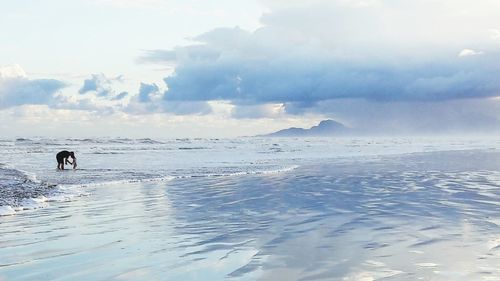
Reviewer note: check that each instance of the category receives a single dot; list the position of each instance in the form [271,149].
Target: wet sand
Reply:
[427,216]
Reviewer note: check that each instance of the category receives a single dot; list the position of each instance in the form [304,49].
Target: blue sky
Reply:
[228,68]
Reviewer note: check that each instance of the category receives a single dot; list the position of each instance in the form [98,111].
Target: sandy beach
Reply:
[427,216]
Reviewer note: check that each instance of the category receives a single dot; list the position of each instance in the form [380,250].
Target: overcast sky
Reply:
[172,68]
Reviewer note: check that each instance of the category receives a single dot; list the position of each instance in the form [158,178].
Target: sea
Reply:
[379,208]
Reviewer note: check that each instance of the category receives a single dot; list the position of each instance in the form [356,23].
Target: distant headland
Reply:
[324,128]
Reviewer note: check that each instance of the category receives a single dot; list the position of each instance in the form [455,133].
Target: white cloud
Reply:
[41,120]
[469,52]
[12,71]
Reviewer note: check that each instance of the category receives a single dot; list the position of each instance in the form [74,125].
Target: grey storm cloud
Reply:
[16,91]
[371,63]
[308,80]
[310,52]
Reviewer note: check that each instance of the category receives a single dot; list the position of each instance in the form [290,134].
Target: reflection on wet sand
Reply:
[430,216]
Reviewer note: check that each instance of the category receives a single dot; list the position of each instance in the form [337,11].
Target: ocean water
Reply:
[251,209]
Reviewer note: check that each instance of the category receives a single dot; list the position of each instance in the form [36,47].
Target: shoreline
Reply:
[64,192]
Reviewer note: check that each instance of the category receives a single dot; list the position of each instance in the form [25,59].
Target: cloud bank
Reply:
[380,65]
[17,89]
[373,54]
[322,50]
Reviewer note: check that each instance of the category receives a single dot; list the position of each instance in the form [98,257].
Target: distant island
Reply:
[324,128]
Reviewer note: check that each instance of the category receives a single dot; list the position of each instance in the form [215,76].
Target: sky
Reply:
[222,68]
